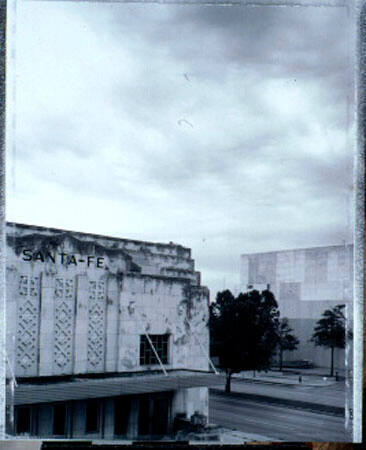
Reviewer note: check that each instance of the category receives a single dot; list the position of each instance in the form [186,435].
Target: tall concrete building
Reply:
[305,282]
[106,337]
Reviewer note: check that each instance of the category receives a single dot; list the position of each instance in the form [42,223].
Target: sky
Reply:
[222,128]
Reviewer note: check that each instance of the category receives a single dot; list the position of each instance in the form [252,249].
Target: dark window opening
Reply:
[122,408]
[147,354]
[144,416]
[59,420]
[92,417]
[23,420]
[160,416]
[154,415]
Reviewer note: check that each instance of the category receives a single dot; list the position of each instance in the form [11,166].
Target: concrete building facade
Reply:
[106,337]
[305,282]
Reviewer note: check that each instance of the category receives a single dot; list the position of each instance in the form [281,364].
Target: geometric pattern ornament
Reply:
[63,325]
[96,325]
[27,326]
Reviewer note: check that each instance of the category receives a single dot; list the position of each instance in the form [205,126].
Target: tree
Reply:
[330,331]
[244,331]
[286,340]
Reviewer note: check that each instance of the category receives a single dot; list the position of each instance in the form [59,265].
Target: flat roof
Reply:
[86,388]
[94,235]
[320,247]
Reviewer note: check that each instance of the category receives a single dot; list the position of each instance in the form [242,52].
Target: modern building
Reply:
[106,337]
[305,282]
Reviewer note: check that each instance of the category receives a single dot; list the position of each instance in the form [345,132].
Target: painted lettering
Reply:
[100,261]
[72,260]
[62,257]
[51,257]
[90,258]
[38,257]
[27,255]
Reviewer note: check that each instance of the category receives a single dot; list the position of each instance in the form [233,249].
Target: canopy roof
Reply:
[87,388]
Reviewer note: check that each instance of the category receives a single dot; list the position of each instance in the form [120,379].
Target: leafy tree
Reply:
[286,340]
[244,331]
[330,331]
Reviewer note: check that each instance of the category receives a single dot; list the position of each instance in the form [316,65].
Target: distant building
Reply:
[305,282]
[106,337]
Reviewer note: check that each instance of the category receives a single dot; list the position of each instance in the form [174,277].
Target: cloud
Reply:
[223,128]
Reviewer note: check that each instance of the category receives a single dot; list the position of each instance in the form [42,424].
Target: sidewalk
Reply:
[280,388]
[305,377]
[241,437]
[217,434]
[227,436]
[317,371]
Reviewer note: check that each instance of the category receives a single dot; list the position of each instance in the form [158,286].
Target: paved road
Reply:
[276,422]
[333,395]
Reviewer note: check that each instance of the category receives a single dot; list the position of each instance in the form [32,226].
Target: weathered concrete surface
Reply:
[79,304]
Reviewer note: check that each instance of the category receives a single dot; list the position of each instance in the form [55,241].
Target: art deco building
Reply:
[106,337]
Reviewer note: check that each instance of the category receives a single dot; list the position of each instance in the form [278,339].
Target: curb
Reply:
[283,382]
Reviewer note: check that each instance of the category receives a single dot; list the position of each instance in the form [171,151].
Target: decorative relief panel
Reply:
[23,285]
[63,325]
[27,326]
[96,325]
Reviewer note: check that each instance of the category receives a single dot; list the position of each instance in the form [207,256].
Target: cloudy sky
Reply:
[223,128]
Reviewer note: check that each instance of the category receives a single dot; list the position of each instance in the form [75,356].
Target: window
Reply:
[122,408]
[23,420]
[147,354]
[144,416]
[92,417]
[160,418]
[59,420]
[154,414]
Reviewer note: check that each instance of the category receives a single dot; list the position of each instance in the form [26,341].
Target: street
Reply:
[276,422]
[254,414]
[333,394]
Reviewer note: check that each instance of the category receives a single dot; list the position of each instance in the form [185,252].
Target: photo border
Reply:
[357,10]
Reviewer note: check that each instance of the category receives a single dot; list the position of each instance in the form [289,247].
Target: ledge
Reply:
[84,388]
